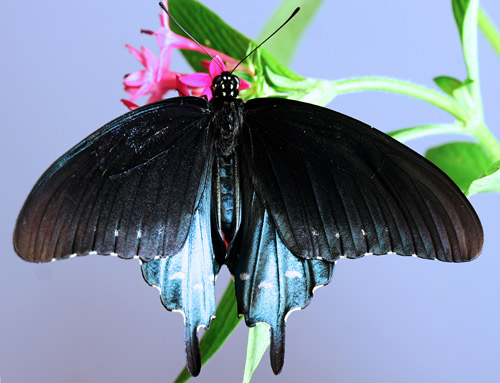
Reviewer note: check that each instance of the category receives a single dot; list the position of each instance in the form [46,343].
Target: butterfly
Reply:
[278,190]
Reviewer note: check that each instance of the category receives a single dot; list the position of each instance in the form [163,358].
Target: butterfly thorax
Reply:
[227,115]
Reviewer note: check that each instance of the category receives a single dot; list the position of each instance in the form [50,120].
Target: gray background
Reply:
[94,319]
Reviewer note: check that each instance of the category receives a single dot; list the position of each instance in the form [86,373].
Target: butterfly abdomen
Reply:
[227,198]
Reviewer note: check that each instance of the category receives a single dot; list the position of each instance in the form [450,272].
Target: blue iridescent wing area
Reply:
[335,186]
[187,280]
[270,281]
[131,189]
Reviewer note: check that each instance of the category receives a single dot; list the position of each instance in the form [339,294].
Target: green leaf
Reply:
[208,29]
[459,11]
[460,91]
[489,183]
[258,342]
[447,84]
[221,327]
[463,93]
[464,162]
[283,45]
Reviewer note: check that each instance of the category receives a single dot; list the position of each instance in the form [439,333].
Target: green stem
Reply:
[414,132]
[403,87]
[489,30]
[487,140]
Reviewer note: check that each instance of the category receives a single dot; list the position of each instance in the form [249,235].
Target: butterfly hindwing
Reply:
[337,187]
[129,189]
[187,280]
[270,281]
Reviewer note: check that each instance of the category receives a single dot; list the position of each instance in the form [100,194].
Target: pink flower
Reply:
[184,90]
[205,80]
[156,78]
[152,80]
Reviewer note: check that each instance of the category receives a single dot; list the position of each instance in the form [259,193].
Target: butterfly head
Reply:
[225,86]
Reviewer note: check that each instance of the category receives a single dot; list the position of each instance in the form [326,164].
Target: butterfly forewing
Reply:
[337,187]
[130,189]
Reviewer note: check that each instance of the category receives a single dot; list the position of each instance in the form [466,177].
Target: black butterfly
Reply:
[278,190]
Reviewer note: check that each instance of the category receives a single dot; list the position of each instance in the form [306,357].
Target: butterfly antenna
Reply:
[271,35]
[191,37]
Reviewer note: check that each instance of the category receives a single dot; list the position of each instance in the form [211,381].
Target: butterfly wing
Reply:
[137,187]
[187,280]
[270,281]
[336,187]
[130,189]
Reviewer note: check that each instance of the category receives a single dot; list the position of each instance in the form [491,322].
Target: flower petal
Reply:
[137,54]
[134,78]
[181,88]
[207,92]
[164,62]
[155,96]
[243,84]
[151,59]
[198,80]
[129,104]
[144,89]
[216,67]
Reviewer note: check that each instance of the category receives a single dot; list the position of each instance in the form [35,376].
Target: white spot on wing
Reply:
[113,254]
[139,233]
[93,253]
[177,275]
[73,255]
[244,276]
[265,285]
[293,274]
[363,232]
[337,235]
[117,233]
